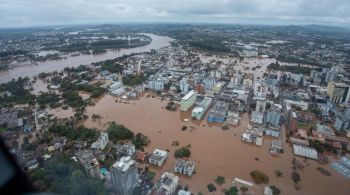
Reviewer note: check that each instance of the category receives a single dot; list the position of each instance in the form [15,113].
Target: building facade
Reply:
[188,100]
[125,175]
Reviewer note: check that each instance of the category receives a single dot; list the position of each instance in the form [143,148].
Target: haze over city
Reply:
[22,13]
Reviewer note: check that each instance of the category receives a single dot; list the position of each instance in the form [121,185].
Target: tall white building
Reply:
[183,85]
[101,142]
[156,85]
[125,175]
[188,100]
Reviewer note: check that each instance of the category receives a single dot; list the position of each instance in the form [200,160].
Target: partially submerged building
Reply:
[218,113]
[202,107]
[158,157]
[188,100]
[166,185]
[125,175]
[304,151]
[184,167]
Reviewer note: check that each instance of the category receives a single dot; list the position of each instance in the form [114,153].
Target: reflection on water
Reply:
[73,61]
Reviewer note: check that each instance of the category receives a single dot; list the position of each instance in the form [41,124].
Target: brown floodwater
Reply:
[215,151]
[74,61]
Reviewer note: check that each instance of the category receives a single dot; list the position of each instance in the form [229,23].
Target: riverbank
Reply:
[74,61]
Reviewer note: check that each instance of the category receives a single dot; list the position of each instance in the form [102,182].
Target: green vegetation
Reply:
[140,141]
[293,59]
[259,177]
[63,176]
[210,45]
[182,152]
[132,80]
[220,180]
[320,147]
[112,67]
[16,92]
[292,69]
[295,177]
[95,117]
[72,132]
[119,132]
[150,175]
[95,91]
[232,191]
[243,189]
[278,173]
[73,99]
[275,190]
[324,171]
[48,98]
[211,187]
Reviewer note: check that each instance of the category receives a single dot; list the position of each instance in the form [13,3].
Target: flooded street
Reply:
[215,151]
[74,61]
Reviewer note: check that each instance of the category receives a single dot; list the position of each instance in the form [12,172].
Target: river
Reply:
[74,61]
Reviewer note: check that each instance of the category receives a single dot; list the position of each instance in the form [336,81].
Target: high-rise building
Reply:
[125,175]
[338,92]
[184,85]
[167,184]
[156,85]
[89,162]
[188,100]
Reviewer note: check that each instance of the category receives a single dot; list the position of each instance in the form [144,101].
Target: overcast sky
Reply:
[16,13]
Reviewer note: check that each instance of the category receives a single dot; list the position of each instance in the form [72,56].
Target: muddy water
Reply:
[216,152]
[73,61]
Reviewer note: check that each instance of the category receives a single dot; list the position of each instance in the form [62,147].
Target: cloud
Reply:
[43,12]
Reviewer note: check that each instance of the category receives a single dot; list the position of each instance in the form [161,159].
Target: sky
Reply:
[23,13]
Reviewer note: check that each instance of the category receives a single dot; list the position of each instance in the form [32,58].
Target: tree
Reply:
[278,173]
[220,180]
[232,191]
[119,132]
[275,190]
[211,187]
[182,152]
[140,141]
[243,189]
[295,177]
[259,177]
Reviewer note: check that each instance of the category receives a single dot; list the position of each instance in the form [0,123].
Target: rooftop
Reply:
[188,95]
[124,163]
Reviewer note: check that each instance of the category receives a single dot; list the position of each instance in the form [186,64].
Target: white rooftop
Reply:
[124,163]
[189,95]
[305,151]
[160,152]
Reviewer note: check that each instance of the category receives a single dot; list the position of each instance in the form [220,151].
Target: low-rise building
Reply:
[32,164]
[342,166]
[304,151]
[184,167]
[158,157]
